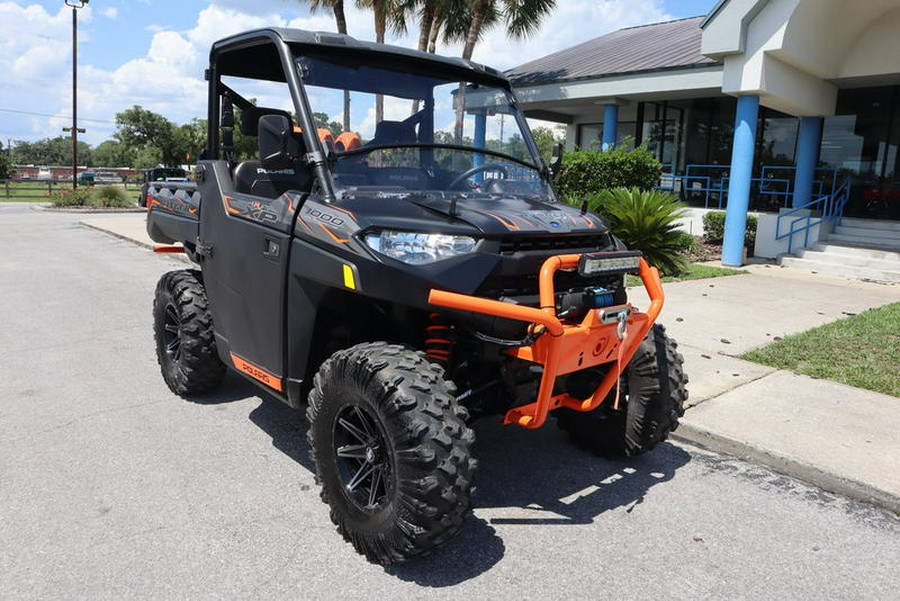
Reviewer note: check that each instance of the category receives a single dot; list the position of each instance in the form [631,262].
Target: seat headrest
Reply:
[394,132]
[250,118]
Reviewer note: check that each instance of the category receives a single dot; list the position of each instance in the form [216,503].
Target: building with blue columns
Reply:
[788,110]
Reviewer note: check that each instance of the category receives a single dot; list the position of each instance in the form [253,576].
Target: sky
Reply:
[153,52]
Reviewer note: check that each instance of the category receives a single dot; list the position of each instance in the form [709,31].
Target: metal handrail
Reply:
[829,206]
[712,182]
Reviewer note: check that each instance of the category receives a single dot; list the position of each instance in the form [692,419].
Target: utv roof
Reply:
[252,53]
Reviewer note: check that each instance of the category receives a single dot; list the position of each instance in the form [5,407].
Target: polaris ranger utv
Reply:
[399,275]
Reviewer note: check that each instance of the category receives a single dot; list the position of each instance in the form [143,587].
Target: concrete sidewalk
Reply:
[839,438]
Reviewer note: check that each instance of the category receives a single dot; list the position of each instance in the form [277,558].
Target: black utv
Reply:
[392,257]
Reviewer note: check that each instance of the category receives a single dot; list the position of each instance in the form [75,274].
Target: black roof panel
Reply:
[327,41]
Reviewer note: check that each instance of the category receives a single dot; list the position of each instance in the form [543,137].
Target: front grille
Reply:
[561,243]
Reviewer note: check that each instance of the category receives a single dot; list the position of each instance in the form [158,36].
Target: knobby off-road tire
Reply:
[392,450]
[651,401]
[183,328]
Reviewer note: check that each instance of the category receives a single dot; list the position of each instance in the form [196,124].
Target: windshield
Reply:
[414,131]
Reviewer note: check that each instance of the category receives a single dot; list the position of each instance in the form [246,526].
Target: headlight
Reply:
[418,249]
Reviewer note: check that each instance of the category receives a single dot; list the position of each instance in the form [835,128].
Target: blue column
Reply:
[807,153]
[610,125]
[739,183]
[480,136]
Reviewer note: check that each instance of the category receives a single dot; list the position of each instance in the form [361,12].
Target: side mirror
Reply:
[278,148]
[556,160]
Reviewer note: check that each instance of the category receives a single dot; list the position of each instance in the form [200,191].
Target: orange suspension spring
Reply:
[437,339]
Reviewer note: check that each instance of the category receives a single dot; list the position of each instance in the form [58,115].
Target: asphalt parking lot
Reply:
[112,487]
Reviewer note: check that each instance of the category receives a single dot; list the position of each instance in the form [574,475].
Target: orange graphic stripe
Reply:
[228,207]
[257,373]
[345,211]
[333,236]
[511,226]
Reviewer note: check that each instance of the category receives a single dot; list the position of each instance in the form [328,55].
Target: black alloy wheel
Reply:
[362,457]
[392,450]
[185,338]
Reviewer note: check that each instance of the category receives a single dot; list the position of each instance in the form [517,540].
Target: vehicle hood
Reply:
[488,216]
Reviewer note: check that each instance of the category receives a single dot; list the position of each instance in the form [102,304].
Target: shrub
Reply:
[586,172]
[714,228]
[687,244]
[645,220]
[71,198]
[111,197]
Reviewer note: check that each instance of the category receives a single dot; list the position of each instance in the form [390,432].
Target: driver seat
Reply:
[393,132]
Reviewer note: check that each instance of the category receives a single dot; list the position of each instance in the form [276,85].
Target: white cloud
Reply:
[572,22]
[167,77]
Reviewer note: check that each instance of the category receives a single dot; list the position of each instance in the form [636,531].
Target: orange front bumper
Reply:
[565,348]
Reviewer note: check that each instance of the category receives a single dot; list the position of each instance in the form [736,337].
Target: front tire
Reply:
[651,401]
[391,449]
[185,339]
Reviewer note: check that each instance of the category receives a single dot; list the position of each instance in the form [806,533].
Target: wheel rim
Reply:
[362,457]
[172,334]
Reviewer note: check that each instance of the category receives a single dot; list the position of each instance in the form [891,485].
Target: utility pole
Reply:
[75,4]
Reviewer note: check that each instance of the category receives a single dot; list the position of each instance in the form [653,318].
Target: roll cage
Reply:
[280,55]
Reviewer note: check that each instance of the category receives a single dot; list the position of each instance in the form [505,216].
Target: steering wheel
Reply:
[477,169]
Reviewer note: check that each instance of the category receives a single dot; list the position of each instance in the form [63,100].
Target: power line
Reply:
[54,116]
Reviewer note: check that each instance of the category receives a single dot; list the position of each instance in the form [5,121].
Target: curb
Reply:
[142,244]
[116,234]
[787,466]
[87,211]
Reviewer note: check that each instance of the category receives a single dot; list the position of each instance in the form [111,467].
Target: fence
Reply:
[36,191]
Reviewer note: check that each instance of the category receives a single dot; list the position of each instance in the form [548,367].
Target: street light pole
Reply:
[75,7]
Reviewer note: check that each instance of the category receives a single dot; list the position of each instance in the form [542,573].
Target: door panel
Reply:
[245,241]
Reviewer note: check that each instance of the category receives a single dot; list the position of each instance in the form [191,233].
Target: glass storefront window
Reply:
[861,142]
[590,135]
[710,126]
[661,132]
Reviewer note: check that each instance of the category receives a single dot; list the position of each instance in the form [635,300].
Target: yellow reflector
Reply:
[349,280]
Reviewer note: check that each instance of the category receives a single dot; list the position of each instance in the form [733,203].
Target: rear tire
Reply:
[185,340]
[651,401]
[392,450]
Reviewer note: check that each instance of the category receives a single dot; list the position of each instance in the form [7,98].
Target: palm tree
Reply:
[522,18]
[431,18]
[340,19]
[388,14]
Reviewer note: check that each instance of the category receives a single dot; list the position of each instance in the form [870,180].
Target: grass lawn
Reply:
[694,271]
[862,351]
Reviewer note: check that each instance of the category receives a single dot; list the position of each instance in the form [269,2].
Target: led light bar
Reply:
[609,263]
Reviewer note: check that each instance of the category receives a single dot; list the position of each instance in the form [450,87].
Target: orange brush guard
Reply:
[566,348]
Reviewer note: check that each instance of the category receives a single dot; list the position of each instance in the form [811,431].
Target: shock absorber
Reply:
[438,343]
